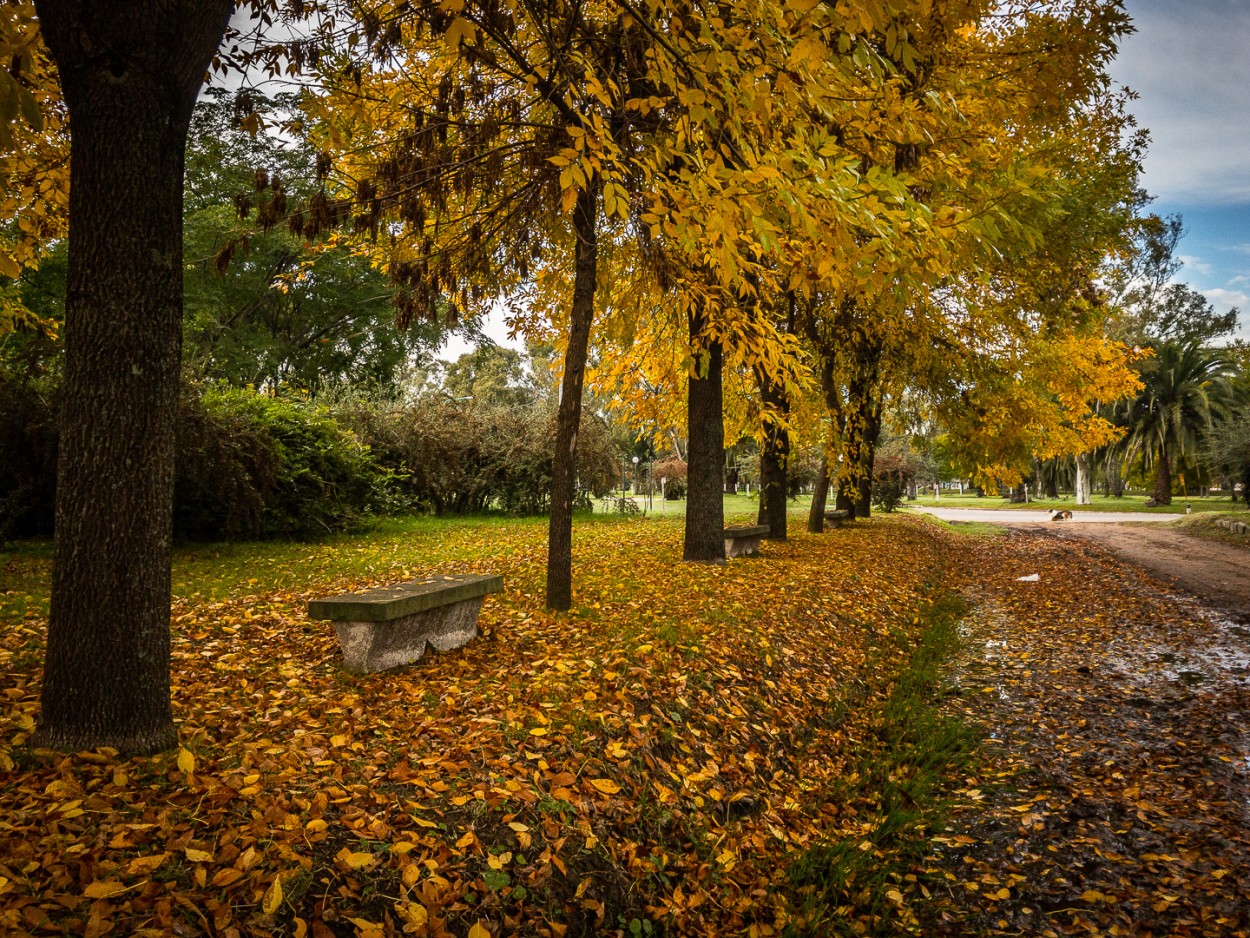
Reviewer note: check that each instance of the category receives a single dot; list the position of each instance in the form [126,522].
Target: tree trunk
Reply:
[820,496]
[868,431]
[774,455]
[1163,480]
[130,73]
[1082,479]
[705,506]
[569,413]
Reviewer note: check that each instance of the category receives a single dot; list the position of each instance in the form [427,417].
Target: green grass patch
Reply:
[1097,503]
[870,884]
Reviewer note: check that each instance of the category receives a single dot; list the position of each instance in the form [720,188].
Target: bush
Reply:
[28,445]
[450,459]
[888,491]
[250,465]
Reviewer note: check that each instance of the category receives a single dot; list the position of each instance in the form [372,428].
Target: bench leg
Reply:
[377,646]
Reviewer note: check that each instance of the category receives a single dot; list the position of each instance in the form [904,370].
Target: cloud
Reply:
[1196,263]
[1224,300]
[1187,62]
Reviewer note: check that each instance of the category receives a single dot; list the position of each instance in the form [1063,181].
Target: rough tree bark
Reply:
[820,494]
[569,414]
[871,421]
[705,506]
[774,456]
[1163,479]
[130,72]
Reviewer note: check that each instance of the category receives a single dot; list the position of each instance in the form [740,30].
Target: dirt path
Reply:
[1217,573]
[1115,799]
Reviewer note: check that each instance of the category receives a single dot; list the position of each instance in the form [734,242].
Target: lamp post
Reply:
[635,473]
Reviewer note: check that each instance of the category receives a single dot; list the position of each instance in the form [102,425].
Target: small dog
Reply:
[1057,514]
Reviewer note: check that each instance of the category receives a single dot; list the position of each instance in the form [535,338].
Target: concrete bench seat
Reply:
[391,625]
[744,541]
[835,519]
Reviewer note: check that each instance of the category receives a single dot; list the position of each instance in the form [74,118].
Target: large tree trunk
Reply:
[705,506]
[820,495]
[569,414]
[130,73]
[1163,479]
[774,455]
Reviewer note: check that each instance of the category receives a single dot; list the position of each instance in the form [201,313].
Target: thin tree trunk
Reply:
[1163,480]
[569,413]
[130,73]
[705,506]
[774,455]
[1082,479]
[820,494]
[868,453]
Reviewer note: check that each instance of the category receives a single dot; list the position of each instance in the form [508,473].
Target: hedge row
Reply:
[250,465]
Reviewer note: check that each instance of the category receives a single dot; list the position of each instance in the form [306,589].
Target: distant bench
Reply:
[391,625]
[745,541]
[835,519]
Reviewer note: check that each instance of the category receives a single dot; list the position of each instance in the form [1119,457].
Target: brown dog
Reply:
[1060,514]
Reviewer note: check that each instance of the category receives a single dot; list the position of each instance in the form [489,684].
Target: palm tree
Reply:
[1185,387]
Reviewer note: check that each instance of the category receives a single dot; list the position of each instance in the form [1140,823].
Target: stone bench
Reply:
[391,625]
[745,541]
[835,519]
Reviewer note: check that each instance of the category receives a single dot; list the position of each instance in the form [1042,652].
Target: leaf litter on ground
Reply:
[1113,793]
[653,761]
[693,750]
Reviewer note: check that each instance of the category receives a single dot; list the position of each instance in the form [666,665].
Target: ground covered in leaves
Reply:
[785,745]
[1112,796]
[688,752]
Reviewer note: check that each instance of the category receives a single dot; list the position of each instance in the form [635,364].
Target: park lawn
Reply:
[1223,503]
[694,749]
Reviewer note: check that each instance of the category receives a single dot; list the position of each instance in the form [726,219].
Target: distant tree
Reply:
[266,307]
[1185,387]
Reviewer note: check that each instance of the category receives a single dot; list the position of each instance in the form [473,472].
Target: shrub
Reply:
[451,459]
[251,465]
[28,446]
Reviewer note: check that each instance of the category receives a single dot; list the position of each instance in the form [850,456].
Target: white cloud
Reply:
[1195,263]
[1187,62]
[1224,300]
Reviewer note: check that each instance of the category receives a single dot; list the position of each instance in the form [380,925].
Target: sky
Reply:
[1188,61]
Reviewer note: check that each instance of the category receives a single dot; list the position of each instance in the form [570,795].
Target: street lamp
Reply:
[635,473]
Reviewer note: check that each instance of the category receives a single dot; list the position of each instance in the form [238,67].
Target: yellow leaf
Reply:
[142,866]
[479,931]
[198,856]
[460,30]
[102,889]
[356,860]
[605,785]
[367,929]
[414,914]
[186,762]
[539,731]
[273,897]
[226,877]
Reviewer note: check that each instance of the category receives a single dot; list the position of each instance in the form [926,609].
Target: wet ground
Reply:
[1115,796]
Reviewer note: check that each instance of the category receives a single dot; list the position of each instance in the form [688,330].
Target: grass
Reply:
[852,886]
[1098,503]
